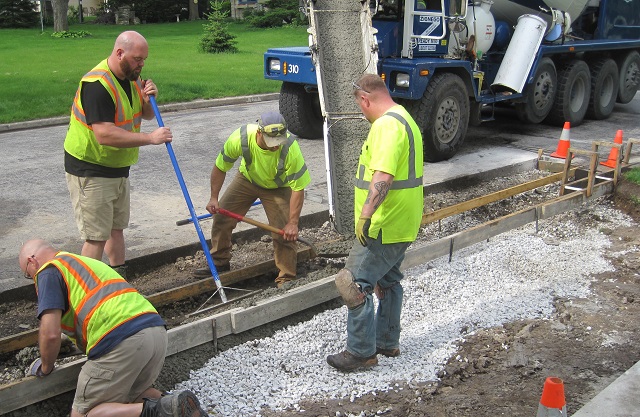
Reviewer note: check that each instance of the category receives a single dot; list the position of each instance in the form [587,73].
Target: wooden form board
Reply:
[31,390]
[490,198]
[30,337]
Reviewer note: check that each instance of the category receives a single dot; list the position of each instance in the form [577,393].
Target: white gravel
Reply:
[513,276]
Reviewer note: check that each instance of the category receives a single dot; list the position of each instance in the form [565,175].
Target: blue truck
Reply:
[451,63]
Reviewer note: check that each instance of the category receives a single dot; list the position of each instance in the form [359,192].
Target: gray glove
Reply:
[35,369]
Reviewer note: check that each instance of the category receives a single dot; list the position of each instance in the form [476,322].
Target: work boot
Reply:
[281,281]
[345,361]
[389,353]
[177,404]
[206,272]
[121,270]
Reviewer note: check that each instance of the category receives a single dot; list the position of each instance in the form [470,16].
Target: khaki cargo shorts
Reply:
[123,374]
[99,205]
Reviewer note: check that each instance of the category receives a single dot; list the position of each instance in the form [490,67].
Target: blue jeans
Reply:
[375,264]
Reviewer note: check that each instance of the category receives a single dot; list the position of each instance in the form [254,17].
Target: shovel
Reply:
[314,250]
[264,226]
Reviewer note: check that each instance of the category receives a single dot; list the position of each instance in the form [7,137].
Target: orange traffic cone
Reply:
[563,143]
[552,403]
[614,154]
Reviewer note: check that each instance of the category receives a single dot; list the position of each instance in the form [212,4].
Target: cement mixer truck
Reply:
[452,62]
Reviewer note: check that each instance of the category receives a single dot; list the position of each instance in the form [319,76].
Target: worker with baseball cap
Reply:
[272,170]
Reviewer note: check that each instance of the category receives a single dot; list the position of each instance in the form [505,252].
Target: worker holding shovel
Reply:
[273,170]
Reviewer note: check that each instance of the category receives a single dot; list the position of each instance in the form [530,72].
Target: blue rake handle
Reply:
[187,198]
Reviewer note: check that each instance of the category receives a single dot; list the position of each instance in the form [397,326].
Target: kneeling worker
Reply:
[121,333]
[273,170]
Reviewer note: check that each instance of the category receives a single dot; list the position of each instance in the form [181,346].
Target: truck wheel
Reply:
[539,94]
[572,97]
[301,110]
[629,67]
[604,88]
[443,116]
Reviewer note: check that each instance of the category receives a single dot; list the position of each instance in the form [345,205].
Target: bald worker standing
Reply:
[102,143]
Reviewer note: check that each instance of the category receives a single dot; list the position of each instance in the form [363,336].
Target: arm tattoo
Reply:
[383,190]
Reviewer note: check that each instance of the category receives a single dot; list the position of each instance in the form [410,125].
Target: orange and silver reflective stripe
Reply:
[97,292]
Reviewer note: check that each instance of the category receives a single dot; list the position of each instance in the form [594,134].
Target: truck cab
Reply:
[446,60]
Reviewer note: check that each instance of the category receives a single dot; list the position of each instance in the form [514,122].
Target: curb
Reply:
[196,104]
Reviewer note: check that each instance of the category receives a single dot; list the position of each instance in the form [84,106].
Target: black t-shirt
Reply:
[98,106]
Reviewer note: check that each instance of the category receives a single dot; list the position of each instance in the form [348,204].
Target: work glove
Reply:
[67,348]
[35,369]
[362,229]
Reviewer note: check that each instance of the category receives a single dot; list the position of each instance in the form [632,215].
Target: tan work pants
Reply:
[238,198]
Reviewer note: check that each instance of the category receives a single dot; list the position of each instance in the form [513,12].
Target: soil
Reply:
[497,371]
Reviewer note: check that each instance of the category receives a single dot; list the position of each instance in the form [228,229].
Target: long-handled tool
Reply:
[187,198]
[267,227]
[264,226]
[207,215]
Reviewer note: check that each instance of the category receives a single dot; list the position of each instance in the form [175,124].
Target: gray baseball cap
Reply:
[274,128]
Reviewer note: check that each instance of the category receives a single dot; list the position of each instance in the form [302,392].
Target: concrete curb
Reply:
[196,104]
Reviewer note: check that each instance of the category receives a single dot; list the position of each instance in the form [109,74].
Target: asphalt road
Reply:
[35,201]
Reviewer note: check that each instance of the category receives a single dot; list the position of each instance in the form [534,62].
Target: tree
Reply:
[193,10]
[277,13]
[60,10]
[216,36]
[17,14]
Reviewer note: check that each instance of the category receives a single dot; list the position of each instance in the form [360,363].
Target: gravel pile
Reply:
[514,276]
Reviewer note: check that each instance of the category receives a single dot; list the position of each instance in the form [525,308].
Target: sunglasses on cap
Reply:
[277,129]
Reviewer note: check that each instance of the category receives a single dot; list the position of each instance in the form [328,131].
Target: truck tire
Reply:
[572,97]
[442,115]
[629,66]
[604,88]
[301,110]
[539,94]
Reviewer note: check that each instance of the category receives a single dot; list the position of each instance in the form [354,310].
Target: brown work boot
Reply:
[345,361]
[281,281]
[389,353]
[177,404]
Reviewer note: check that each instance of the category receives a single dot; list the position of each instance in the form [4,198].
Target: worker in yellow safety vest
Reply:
[272,170]
[121,333]
[388,211]
[102,143]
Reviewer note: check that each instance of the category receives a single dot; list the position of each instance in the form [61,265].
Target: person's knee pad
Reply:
[350,292]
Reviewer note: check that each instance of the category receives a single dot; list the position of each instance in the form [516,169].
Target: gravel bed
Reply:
[514,276]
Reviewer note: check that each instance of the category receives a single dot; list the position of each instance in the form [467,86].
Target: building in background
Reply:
[239,6]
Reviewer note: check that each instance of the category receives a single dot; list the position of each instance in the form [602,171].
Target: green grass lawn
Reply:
[39,74]
[633,175]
